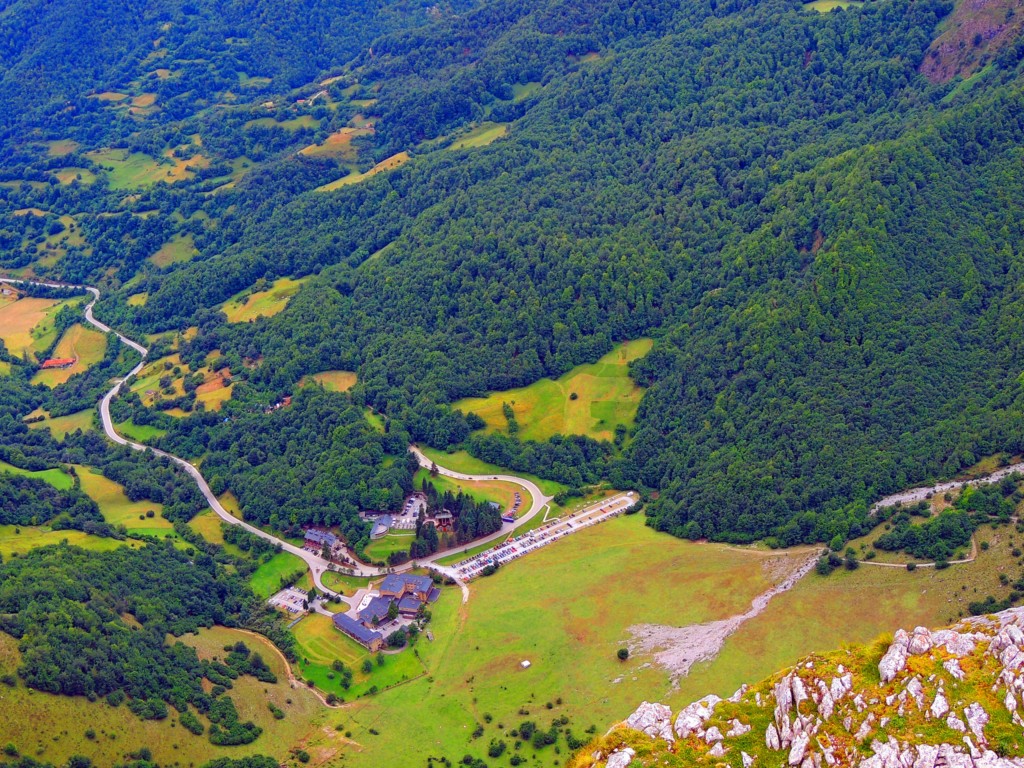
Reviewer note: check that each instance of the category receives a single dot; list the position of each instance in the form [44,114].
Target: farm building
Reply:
[368,638]
[58,362]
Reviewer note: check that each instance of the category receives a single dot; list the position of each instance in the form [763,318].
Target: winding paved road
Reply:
[317,565]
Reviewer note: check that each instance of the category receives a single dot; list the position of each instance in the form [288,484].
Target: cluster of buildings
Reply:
[318,541]
[406,592]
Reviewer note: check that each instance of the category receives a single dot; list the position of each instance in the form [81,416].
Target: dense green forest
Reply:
[824,244]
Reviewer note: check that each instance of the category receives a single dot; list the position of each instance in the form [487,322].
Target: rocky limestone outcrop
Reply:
[955,685]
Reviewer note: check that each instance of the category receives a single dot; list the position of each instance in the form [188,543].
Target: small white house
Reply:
[524,664]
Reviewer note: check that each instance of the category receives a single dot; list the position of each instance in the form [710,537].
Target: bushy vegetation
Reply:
[65,606]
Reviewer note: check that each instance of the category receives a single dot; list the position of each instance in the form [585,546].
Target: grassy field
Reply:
[249,305]
[461,461]
[481,136]
[266,580]
[86,345]
[179,248]
[140,433]
[393,542]
[570,608]
[333,381]
[523,91]
[68,175]
[294,124]
[117,509]
[320,644]
[339,582]
[822,614]
[52,728]
[58,478]
[60,426]
[824,6]
[566,611]
[19,540]
[338,145]
[481,490]
[61,147]
[354,178]
[138,299]
[128,170]
[26,325]
[214,392]
[605,398]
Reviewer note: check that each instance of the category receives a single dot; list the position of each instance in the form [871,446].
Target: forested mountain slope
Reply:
[824,244]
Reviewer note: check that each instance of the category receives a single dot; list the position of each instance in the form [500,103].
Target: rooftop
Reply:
[410,604]
[321,537]
[397,582]
[376,609]
[355,629]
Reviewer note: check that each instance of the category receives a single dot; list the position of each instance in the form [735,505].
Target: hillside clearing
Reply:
[261,302]
[85,346]
[333,381]
[605,397]
[117,509]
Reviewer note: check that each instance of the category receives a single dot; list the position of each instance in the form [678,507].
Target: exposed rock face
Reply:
[653,719]
[949,684]
[895,659]
[621,759]
[693,717]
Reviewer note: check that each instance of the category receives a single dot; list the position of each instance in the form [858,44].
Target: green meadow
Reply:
[266,580]
[824,6]
[481,136]
[250,304]
[61,426]
[379,549]
[588,400]
[117,509]
[58,478]
[140,433]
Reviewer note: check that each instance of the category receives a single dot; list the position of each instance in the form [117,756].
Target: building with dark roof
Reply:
[409,606]
[399,585]
[376,609]
[315,539]
[369,638]
[381,526]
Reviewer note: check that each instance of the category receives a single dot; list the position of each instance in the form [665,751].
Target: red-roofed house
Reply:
[58,362]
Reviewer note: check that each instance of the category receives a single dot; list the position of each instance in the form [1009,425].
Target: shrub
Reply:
[623,654]
[911,566]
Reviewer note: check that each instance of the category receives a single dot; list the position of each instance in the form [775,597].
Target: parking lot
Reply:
[290,600]
[406,519]
[516,547]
